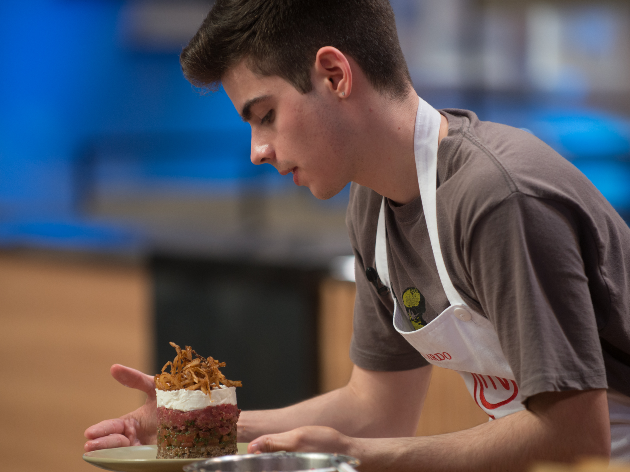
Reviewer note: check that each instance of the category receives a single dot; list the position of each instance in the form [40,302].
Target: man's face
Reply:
[298,133]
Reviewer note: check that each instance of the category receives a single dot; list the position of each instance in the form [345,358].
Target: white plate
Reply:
[140,459]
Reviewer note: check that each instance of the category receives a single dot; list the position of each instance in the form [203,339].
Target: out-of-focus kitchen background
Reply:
[130,215]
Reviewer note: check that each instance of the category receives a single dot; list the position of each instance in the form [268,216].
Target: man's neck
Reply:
[388,165]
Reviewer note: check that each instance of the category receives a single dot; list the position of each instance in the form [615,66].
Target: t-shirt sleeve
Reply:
[375,345]
[525,262]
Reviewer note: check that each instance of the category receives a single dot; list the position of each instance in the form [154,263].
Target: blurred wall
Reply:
[68,74]
[104,145]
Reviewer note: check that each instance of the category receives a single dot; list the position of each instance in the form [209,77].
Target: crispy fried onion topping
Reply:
[192,374]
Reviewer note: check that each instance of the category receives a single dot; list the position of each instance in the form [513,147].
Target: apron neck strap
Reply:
[425,144]
[426,132]
[380,251]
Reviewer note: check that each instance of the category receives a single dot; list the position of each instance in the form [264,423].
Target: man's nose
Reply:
[262,153]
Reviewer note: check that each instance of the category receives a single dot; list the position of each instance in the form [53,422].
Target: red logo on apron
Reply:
[505,385]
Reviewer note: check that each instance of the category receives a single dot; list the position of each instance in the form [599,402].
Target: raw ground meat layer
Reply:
[210,432]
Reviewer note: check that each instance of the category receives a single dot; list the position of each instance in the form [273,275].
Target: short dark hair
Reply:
[282,37]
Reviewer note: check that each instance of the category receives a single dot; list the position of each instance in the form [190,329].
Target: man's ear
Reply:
[333,70]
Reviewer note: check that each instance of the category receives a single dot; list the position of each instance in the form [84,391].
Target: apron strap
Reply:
[380,250]
[427,130]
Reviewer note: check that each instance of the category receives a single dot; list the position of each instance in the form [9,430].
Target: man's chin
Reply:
[324,194]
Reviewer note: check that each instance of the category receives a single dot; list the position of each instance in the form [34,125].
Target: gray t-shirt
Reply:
[528,242]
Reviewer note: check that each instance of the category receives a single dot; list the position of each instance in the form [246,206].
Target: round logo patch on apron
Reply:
[415,307]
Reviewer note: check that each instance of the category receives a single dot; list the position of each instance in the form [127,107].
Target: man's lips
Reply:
[287,171]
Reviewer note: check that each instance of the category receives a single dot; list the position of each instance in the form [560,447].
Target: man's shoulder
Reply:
[485,162]
[511,154]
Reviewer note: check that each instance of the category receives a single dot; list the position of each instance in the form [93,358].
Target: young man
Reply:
[497,258]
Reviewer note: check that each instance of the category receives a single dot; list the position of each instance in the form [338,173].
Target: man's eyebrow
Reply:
[246,114]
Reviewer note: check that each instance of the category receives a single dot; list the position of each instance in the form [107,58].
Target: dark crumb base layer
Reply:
[173,452]
[210,432]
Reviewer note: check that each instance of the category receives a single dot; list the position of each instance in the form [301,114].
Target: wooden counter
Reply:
[64,322]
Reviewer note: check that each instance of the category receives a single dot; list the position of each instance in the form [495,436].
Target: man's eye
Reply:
[267,118]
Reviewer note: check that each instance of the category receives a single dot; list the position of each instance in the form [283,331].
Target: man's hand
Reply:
[304,439]
[133,429]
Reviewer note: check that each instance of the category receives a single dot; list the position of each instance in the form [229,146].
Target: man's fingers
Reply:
[133,378]
[105,428]
[107,442]
[304,439]
[262,444]
[124,431]
[274,442]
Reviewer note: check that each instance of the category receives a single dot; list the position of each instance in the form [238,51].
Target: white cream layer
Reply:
[187,400]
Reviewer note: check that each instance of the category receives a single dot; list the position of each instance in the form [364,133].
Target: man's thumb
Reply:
[133,378]
[271,443]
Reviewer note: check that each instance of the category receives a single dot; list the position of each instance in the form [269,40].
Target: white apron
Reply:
[459,338]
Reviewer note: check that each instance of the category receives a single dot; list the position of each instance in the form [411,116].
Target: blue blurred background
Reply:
[104,146]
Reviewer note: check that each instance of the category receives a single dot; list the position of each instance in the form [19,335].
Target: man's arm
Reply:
[558,426]
[368,407]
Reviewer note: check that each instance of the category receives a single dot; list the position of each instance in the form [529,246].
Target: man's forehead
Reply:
[242,84]
[246,88]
